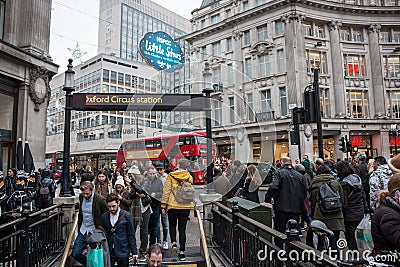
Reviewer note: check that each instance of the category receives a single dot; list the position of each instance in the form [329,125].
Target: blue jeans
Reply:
[164,223]
[79,246]
[154,224]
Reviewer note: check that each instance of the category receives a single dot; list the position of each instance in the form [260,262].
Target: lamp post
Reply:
[318,114]
[207,91]
[68,88]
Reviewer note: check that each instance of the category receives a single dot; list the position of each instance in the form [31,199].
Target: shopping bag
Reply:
[95,257]
[364,235]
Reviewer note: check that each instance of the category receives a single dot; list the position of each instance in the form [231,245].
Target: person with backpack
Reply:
[177,200]
[46,189]
[355,205]
[326,203]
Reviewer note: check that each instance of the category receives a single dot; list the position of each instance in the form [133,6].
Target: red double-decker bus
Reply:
[55,161]
[167,150]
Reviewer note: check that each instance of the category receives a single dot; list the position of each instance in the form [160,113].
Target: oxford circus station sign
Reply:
[161,52]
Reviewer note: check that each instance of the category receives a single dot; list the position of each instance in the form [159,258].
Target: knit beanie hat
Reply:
[119,182]
[306,164]
[394,163]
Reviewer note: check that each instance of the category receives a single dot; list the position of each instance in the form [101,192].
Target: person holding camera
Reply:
[135,179]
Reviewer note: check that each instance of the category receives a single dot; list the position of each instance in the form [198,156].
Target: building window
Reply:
[307,29]
[245,6]
[357,103]
[203,52]
[345,34]
[394,104]
[113,79]
[391,66]
[283,97]
[390,2]
[316,59]
[231,110]
[281,60]
[260,2]
[215,19]
[264,62]
[250,107]
[2,8]
[216,74]
[325,103]
[228,13]
[278,28]
[246,37]
[202,23]
[229,44]
[248,69]
[384,36]
[313,30]
[218,113]
[357,35]
[106,75]
[230,74]
[266,102]
[396,35]
[354,65]
[216,49]
[262,33]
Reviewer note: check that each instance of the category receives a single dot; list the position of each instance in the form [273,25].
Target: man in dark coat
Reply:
[288,190]
[154,187]
[118,226]
[361,170]
[91,208]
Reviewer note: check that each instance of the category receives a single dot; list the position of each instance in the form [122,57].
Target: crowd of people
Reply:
[362,188]
[19,187]
[133,198]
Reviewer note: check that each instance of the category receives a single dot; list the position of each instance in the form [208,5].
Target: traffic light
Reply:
[309,107]
[342,145]
[349,147]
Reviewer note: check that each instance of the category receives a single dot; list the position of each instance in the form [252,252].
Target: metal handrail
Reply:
[203,239]
[69,241]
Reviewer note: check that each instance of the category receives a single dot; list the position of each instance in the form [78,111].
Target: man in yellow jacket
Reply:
[178,211]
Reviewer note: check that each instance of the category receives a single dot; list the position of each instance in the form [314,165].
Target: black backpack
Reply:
[329,198]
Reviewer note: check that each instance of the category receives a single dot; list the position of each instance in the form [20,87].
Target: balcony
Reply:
[265,116]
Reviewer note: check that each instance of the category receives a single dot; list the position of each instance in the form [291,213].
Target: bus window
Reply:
[149,144]
[157,143]
[139,145]
[201,140]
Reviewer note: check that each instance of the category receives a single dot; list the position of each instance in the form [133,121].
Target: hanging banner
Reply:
[161,51]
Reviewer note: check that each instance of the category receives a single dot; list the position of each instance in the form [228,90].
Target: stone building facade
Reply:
[25,72]
[262,52]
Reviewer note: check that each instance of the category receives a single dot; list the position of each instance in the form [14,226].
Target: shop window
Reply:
[357,104]
[316,59]
[354,65]
[391,66]
[231,110]
[394,104]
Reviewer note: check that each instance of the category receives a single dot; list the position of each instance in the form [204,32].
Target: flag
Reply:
[28,159]
[20,155]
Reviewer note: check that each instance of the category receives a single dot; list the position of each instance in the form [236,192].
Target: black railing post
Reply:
[235,222]
[292,234]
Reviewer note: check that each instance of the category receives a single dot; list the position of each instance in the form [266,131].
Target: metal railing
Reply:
[32,240]
[203,242]
[246,242]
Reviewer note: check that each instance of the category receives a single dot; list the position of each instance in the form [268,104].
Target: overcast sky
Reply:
[77,21]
